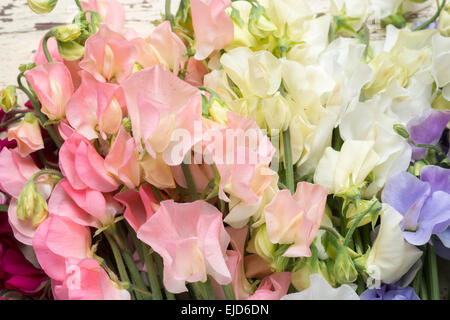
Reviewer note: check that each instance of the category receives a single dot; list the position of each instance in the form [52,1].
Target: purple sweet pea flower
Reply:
[424,203]
[427,129]
[390,292]
[442,244]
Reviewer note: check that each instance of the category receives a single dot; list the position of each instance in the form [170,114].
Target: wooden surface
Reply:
[21,30]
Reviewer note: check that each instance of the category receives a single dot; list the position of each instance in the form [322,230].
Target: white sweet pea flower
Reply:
[217,80]
[242,37]
[391,256]
[320,289]
[338,170]
[441,63]
[255,73]
[368,121]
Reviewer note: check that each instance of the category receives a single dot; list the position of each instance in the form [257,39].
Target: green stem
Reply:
[358,242]
[135,275]
[168,13]
[4,207]
[358,219]
[12,120]
[333,232]
[38,112]
[118,257]
[79,5]
[433,18]
[190,181]
[142,291]
[151,273]
[289,169]
[229,292]
[203,290]
[47,54]
[433,273]
[156,193]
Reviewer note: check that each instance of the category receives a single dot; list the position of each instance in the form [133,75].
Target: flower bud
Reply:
[360,207]
[25,203]
[263,246]
[126,122]
[67,32]
[277,112]
[259,24]
[401,130]
[8,98]
[300,275]
[440,103]
[344,268]
[444,22]
[218,111]
[40,210]
[42,6]
[70,50]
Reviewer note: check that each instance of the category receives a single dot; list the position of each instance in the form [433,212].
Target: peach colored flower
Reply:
[28,135]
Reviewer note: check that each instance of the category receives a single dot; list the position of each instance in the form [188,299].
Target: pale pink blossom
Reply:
[110,11]
[83,166]
[85,279]
[95,108]
[162,47]
[52,46]
[296,219]
[28,136]
[57,239]
[191,239]
[213,28]
[53,85]
[109,56]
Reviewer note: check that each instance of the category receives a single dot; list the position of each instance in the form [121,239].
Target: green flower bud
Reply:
[8,98]
[259,23]
[25,203]
[263,246]
[70,50]
[416,169]
[401,131]
[42,6]
[67,32]
[355,209]
[126,122]
[40,210]
[344,268]
[397,20]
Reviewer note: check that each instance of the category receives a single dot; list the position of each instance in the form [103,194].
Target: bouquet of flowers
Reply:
[242,150]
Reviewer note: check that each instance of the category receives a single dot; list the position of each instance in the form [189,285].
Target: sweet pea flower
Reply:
[424,204]
[355,160]
[296,219]
[390,256]
[109,57]
[213,28]
[389,292]
[87,207]
[427,129]
[191,239]
[162,47]
[52,46]
[320,289]
[83,166]
[53,85]
[243,163]
[85,279]
[110,11]
[156,172]
[95,108]
[441,54]
[58,239]
[122,160]
[273,287]
[27,134]
[196,70]
[16,272]
[159,103]
[140,206]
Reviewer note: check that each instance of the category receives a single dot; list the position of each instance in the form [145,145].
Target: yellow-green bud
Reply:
[70,50]
[300,276]
[42,6]
[126,122]
[259,24]
[8,98]
[218,112]
[440,103]
[401,130]
[344,268]
[263,246]
[355,209]
[40,210]
[67,32]
[25,203]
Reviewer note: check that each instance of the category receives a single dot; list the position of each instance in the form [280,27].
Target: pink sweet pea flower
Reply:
[15,171]
[86,280]
[235,263]
[87,207]
[159,103]
[95,106]
[242,154]
[201,173]
[273,287]
[83,166]
[162,47]
[196,71]
[109,56]
[296,219]
[53,85]
[140,206]
[28,135]
[110,11]
[212,26]
[57,239]
[123,160]
[191,239]
[52,46]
